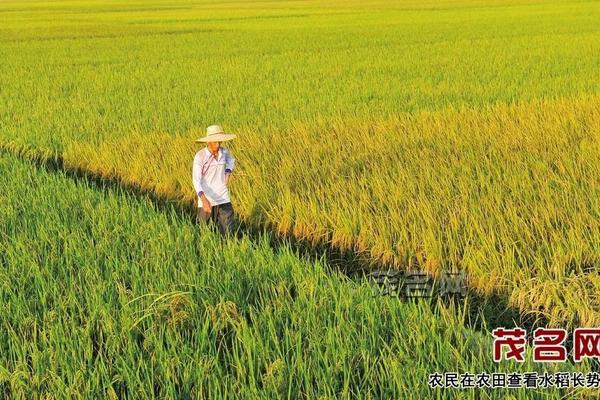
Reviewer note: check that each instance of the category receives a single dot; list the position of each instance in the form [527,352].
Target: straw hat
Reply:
[215,133]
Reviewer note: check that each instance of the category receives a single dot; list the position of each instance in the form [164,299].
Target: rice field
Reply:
[107,297]
[440,135]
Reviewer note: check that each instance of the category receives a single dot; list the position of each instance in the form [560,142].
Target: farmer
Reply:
[210,175]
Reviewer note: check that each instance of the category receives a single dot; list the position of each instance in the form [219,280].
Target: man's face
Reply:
[213,147]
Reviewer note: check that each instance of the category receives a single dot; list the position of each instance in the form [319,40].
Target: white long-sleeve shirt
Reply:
[208,175]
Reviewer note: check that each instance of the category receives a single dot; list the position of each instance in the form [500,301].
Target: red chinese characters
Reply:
[514,339]
[586,343]
[548,345]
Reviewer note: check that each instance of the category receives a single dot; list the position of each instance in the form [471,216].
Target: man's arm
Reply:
[197,174]
[196,177]
[229,163]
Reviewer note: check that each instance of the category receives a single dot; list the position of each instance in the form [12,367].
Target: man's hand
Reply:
[205,204]
[227,174]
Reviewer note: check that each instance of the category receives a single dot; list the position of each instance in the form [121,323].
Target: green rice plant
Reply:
[506,194]
[448,135]
[436,135]
[105,296]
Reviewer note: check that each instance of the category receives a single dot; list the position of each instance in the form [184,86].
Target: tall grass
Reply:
[508,194]
[104,296]
[436,134]
[89,71]
[444,135]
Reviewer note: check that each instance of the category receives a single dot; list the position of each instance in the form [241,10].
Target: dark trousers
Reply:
[221,215]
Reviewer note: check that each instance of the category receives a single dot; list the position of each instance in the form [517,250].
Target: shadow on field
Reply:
[484,312]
